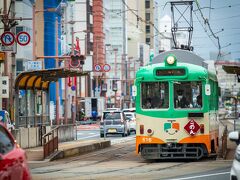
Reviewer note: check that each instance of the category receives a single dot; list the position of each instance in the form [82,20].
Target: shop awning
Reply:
[41,79]
[231,69]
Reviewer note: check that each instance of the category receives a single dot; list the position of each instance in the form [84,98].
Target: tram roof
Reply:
[193,70]
[41,79]
[182,56]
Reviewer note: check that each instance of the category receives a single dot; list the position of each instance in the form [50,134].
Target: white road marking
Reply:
[121,140]
[88,137]
[193,177]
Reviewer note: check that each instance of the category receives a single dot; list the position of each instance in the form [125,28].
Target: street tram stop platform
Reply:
[66,149]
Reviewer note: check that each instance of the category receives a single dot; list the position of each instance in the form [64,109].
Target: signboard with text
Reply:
[34,65]
[4,87]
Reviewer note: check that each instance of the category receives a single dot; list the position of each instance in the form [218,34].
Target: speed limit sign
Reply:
[23,38]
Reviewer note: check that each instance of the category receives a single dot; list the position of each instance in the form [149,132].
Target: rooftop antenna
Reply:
[182,21]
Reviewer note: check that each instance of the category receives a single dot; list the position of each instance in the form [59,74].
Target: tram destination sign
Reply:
[170,72]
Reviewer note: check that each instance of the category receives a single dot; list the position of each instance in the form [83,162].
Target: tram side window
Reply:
[188,94]
[155,95]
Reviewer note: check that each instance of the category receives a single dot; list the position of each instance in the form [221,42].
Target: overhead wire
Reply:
[206,21]
[229,6]
[119,14]
[205,30]
[139,18]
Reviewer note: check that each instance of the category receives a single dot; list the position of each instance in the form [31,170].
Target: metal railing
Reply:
[33,121]
[50,142]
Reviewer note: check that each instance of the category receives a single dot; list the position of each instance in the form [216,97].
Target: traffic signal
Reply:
[77,60]
[114,85]
[82,58]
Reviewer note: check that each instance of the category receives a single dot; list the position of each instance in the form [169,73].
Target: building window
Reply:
[148,40]
[147,4]
[148,16]
[147,28]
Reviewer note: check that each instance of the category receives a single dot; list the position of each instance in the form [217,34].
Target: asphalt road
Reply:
[121,162]
[94,134]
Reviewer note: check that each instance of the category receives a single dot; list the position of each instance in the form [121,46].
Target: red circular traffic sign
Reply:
[7,38]
[23,38]
[106,67]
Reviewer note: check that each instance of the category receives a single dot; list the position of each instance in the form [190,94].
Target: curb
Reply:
[79,150]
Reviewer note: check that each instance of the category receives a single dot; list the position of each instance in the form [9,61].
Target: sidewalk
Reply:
[231,148]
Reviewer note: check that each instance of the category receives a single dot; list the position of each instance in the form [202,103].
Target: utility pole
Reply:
[124,50]
[57,83]
[33,33]
[10,71]
[115,82]
[73,100]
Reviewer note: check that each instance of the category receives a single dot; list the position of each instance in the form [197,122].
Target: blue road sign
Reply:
[98,67]
[2,114]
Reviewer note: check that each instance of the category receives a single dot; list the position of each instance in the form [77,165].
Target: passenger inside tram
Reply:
[180,100]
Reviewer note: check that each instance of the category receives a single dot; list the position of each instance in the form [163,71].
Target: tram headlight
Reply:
[170,60]
[149,132]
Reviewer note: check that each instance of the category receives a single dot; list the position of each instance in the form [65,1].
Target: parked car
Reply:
[132,121]
[112,109]
[13,163]
[129,110]
[5,119]
[115,123]
[235,170]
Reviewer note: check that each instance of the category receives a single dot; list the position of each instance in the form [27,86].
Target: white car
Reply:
[114,122]
[235,170]
[112,109]
[132,121]
[129,110]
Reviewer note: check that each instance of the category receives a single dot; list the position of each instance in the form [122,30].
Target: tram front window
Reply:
[155,95]
[188,94]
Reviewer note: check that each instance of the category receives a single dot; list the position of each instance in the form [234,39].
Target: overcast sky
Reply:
[224,18]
